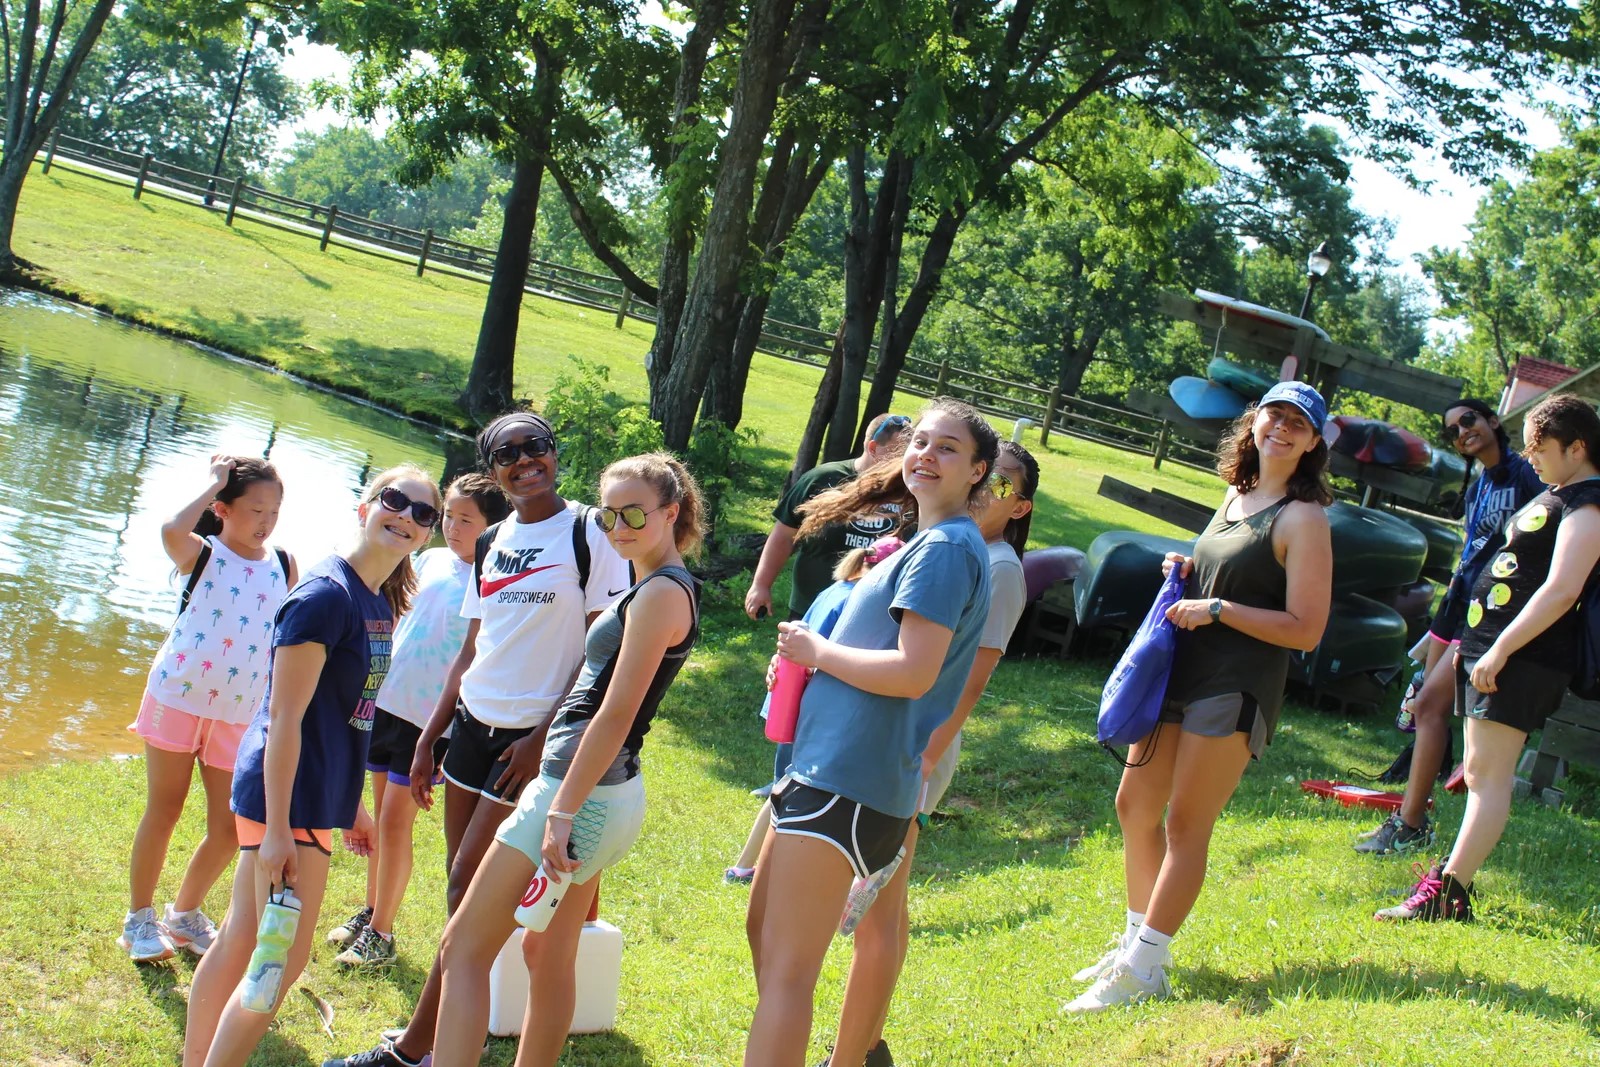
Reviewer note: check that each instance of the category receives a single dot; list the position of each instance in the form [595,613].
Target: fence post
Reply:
[1161,442]
[1049,417]
[943,379]
[327,228]
[144,170]
[427,243]
[50,153]
[233,199]
[622,310]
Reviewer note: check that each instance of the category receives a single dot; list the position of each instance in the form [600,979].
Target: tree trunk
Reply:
[934,257]
[878,400]
[489,385]
[707,326]
[822,407]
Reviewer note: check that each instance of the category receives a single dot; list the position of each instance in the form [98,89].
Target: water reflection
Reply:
[105,430]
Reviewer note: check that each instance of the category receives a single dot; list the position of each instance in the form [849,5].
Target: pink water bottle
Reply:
[784,710]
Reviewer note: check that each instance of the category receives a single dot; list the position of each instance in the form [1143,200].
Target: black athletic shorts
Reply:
[1525,695]
[473,758]
[394,746]
[1451,618]
[868,838]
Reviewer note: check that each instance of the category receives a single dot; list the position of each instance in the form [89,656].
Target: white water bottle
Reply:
[263,976]
[864,892]
[541,899]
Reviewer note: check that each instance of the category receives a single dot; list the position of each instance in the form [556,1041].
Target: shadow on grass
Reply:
[1371,982]
[255,239]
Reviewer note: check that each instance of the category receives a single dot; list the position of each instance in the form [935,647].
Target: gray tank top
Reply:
[1233,559]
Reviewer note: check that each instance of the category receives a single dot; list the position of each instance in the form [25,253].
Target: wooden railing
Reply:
[1051,410]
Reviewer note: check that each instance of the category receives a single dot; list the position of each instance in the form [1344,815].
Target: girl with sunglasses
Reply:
[884,932]
[889,675]
[204,685]
[527,611]
[587,806]
[300,769]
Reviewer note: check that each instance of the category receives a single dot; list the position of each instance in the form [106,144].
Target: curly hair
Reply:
[1240,464]
[1565,418]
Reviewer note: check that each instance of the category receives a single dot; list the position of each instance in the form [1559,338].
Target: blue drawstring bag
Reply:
[1131,703]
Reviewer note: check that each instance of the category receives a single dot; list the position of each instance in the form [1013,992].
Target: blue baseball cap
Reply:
[1302,396]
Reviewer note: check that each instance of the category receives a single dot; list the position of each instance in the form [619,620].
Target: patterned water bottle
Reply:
[263,977]
[864,892]
[1405,721]
[540,900]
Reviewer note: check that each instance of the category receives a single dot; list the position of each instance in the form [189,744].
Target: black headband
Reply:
[512,418]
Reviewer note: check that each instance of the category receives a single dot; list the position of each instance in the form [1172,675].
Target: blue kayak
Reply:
[1202,399]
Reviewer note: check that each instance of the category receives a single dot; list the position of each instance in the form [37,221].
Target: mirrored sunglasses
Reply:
[422,512]
[1001,486]
[633,516]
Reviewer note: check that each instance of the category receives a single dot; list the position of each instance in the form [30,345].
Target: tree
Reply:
[142,91]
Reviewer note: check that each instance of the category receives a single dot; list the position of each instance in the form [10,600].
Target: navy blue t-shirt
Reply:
[331,607]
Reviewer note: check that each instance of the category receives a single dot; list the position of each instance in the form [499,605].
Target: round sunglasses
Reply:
[533,448]
[422,512]
[633,516]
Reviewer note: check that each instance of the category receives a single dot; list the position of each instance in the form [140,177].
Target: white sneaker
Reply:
[189,930]
[1102,966]
[1121,986]
[143,939]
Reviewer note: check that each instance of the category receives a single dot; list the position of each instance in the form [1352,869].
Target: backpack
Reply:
[1130,706]
[580,547]
[1585,682]
[200,562]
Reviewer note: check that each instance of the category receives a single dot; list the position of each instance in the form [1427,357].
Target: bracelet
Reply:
[567,816]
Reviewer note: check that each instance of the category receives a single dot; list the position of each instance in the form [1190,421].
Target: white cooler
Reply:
[599,976]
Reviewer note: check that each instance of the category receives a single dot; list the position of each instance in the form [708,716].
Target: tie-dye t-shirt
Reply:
[331,607]
[427,637]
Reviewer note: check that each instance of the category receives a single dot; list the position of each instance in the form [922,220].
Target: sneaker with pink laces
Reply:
[1436,896]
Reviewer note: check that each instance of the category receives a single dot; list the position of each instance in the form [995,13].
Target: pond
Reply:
[105,431]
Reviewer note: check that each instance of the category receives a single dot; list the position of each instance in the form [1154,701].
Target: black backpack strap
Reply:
[480,552]
[580,544]
[283,561]
[200,562]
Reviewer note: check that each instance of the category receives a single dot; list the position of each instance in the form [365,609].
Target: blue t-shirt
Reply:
[866,746]
[331,607]
[821,617]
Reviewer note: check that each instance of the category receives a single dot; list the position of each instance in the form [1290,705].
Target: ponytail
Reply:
[401,584]
[674,484]
[246,472]
[1016,531]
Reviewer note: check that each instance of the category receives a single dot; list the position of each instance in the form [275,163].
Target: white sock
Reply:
[1129,932]
[176,914]
[1148,952]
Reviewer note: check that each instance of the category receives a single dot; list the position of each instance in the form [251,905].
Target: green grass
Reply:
[1280,963]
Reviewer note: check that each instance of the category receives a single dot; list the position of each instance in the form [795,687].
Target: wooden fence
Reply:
[1051,410]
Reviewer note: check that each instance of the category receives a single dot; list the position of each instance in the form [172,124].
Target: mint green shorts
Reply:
[603,829]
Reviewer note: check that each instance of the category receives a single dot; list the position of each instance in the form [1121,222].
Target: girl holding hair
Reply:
[585,809]
[888,676]
[300,762]
[527,608]
[884,932]
[425,643]
[1259,584]
[820,618]
[1519,645]
[205,683]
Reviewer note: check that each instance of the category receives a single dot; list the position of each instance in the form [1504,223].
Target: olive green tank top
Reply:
[1233,559]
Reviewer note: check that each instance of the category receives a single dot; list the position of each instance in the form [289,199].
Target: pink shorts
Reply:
[175,730]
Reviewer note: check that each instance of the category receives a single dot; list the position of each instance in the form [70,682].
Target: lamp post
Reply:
[1318,263]
[233,109]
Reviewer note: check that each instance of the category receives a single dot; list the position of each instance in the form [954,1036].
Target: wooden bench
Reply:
[1571,735]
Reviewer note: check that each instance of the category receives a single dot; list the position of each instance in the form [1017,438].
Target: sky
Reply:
[1437,215]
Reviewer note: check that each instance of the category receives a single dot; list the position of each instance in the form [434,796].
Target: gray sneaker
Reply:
[1395,837]
[369,951]
[346,932]
[189,930]
[143,939]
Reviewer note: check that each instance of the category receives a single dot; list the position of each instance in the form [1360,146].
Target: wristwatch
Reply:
[1216,610]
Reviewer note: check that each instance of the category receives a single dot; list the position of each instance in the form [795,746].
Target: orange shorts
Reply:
[175,730]
[252,833]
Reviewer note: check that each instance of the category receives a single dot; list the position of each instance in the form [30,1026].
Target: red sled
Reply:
[1356,795]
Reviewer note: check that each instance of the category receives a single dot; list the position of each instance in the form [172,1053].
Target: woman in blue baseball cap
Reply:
[1259,584]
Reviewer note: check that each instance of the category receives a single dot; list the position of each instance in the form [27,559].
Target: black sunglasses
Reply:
[533,448]
[424,513]
[633,516]
[1467,421]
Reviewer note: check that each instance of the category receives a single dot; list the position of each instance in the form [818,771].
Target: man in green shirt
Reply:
[815,557]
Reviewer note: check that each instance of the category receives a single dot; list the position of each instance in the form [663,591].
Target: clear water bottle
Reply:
[1404,720]
[263,977]
[541,899]
[864,892]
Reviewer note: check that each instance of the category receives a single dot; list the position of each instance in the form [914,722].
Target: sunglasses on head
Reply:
[889,427]
[422,512]
[633,516]
[1468,420]
[1001,486]
[533,448]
